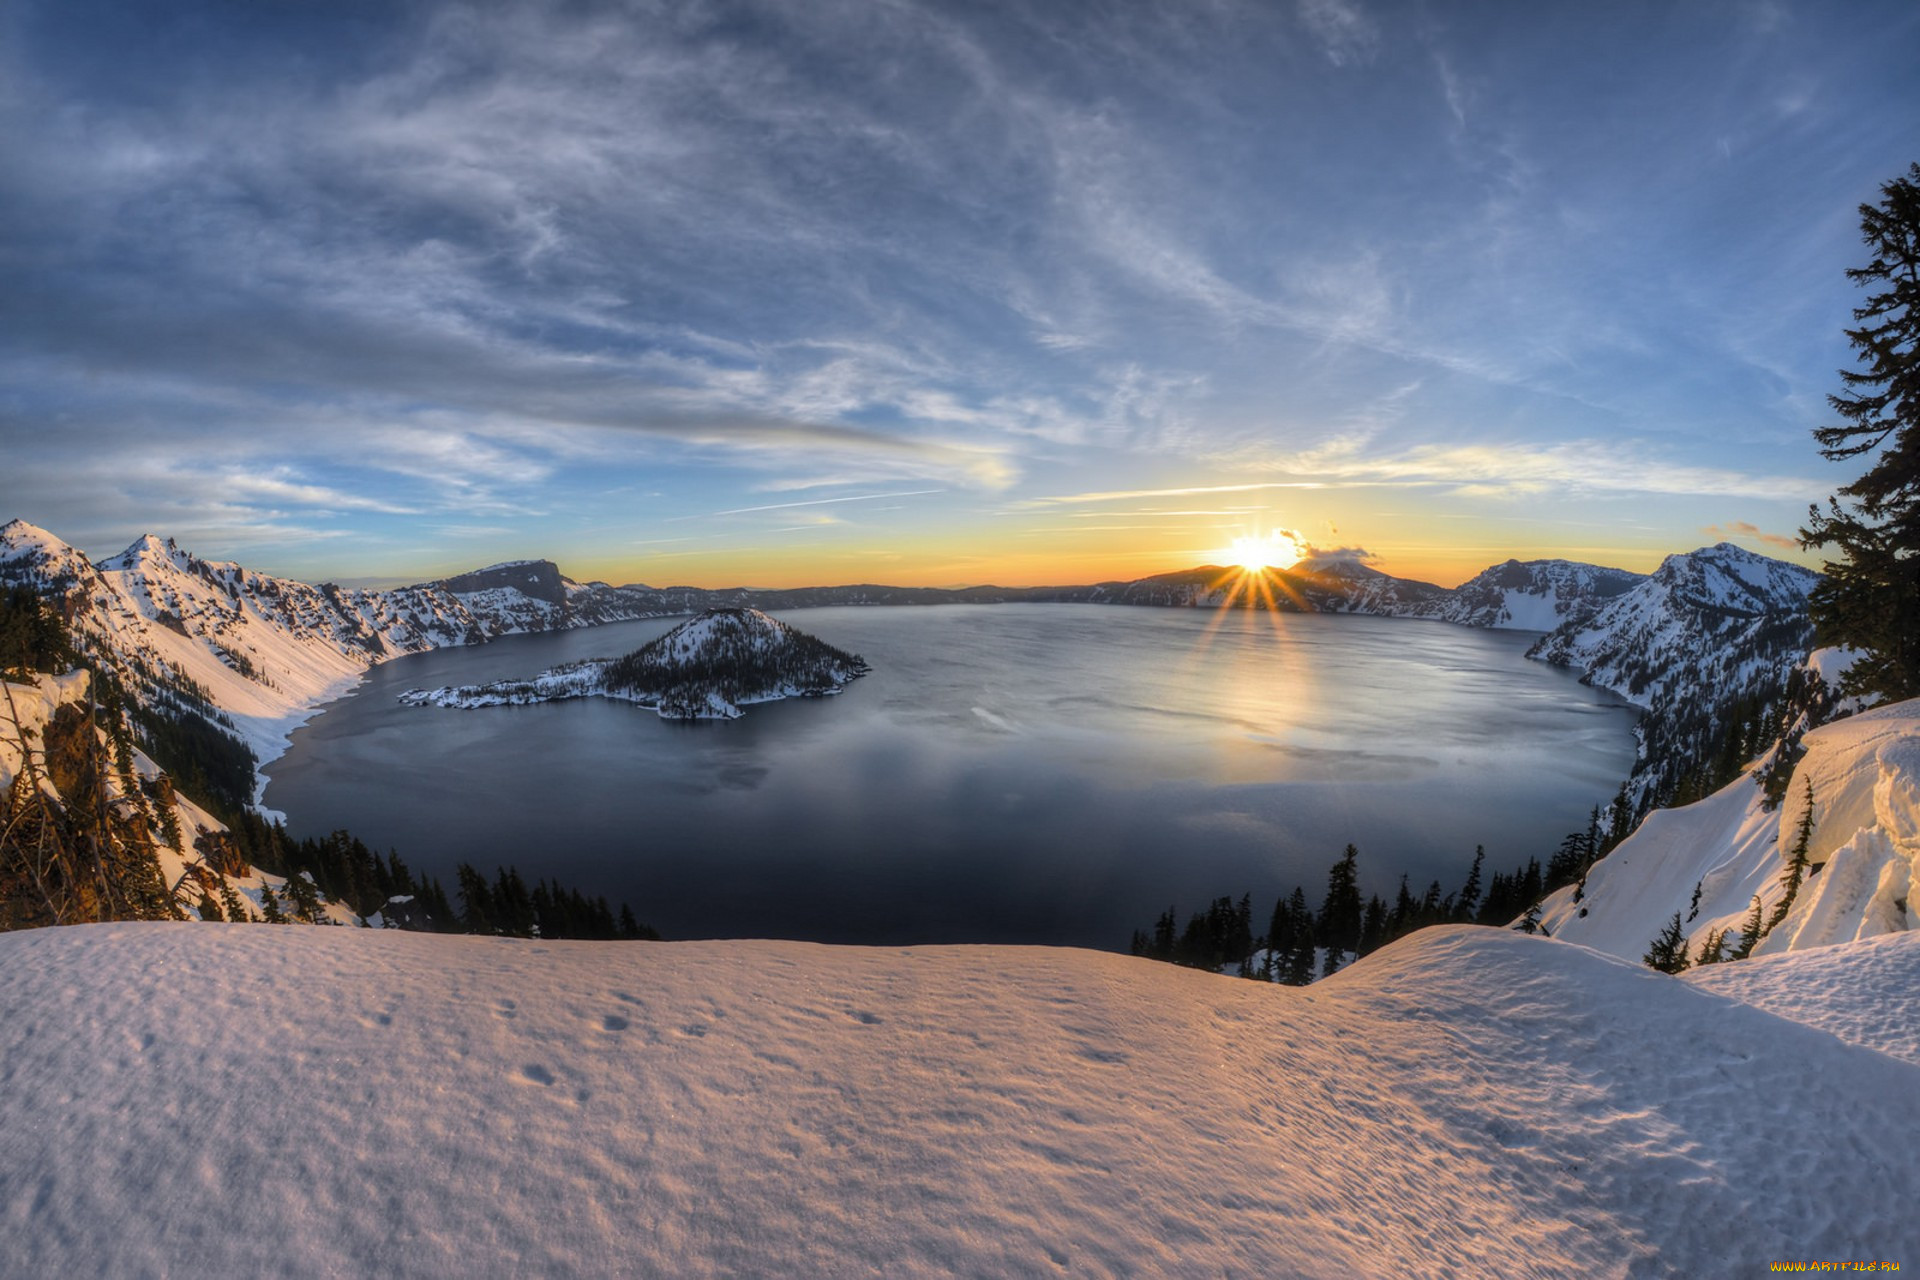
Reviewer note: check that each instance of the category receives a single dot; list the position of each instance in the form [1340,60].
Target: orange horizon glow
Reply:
[1024,558]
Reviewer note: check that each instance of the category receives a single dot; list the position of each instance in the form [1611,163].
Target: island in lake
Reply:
[706,668]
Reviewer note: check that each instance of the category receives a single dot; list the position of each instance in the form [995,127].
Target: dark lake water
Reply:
[1029,773]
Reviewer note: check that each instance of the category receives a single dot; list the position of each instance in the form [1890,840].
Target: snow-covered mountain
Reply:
[1536,595]
[1718,617]
[1710,861]
[706,668]
[260,653]
[1706,646]
[1467,1102]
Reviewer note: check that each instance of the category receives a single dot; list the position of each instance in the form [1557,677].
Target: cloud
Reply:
[1347,34]
[821,502]
[1128,495]
[1747,529]
[1513,470]
[1315,556]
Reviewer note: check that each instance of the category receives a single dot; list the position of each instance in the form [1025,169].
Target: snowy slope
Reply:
[1863,992]
[322,1102]
[1865,775]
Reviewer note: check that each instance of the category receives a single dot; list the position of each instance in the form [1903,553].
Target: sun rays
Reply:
[1278,550]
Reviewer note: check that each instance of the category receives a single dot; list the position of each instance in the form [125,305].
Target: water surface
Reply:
[1032,773]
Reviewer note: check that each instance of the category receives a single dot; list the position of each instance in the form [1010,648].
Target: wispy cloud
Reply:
[1129,495]
[1747,529]
[1346,32]
[1508,470]
[822,502]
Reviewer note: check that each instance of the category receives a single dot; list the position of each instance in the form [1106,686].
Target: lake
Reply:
[1007,773]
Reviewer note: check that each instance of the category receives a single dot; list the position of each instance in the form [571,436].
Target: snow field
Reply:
[249,1101]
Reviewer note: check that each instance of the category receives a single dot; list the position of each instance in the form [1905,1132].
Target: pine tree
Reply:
[1750,933]
[1467,905]
[1870,597]
[1668,952]
[1796,865]
[1713,948]
[236,910]
[1340,912]
[1530,919]
[270,911]
[1300,959]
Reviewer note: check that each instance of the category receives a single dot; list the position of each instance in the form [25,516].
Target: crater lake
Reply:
[1007,773]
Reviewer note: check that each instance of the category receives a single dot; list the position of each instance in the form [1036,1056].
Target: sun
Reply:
[1275,551]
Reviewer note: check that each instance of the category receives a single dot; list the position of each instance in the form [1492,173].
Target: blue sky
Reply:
[914,292]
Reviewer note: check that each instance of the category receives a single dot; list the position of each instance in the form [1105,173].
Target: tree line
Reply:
[1301,942]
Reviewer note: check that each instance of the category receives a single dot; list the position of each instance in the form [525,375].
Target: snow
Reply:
[1526,611]
[1861,993]
[1831,663]
[25,710]
[229,1100]
[1864,772]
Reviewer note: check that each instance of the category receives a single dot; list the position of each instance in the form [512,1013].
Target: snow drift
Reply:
[212,1100]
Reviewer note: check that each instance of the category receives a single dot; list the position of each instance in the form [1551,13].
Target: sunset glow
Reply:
[1274,551]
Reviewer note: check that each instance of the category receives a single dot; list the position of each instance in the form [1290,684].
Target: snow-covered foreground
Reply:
[252,1101]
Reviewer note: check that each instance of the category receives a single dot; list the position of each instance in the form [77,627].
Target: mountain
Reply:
[1707,646]
[257,654]
[1719,616]
[1536,595]
[706,668]
[1467,1102]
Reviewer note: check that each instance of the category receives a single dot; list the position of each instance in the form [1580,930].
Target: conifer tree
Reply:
[270,912]
[1713,948]
[236,909]
[1300,960]
[1340,912]
[1467,905]
[1869,598]
[1796,865]
[1668,952]
[1750,933]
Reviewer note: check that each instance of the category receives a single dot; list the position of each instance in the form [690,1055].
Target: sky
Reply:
[923,293]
